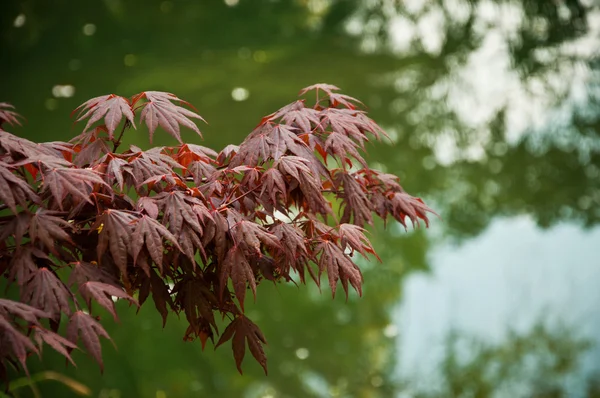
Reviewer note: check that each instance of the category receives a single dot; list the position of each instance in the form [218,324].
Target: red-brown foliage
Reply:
[193,227]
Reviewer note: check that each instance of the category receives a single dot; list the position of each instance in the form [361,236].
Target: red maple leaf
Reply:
[79,183]
[237,267]
[21,310]
[110,107]
[149,233]
[83,326]
[15,342]
[14,190]
[353,237]
[243,330]
[161,111]
[114,229]
[327,88]
[7,115]
[102,293]
[48,230]
[339,267]
[83,272]
[45,291]
[56,341]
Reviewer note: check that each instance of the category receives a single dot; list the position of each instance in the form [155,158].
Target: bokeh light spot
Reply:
[19,21]
[63,91]
[240,94]
[390,330]
[302,353]
[89,29]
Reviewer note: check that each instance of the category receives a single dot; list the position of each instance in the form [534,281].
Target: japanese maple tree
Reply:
[86,222]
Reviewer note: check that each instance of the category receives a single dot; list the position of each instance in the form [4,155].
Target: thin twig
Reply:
[223,206]
[118,141]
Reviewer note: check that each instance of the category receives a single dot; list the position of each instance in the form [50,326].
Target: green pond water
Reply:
[492,108]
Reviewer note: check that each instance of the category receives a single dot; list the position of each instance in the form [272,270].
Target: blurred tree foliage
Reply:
[537,363]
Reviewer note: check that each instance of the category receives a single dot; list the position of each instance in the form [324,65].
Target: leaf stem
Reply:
[118,141]
[223,206]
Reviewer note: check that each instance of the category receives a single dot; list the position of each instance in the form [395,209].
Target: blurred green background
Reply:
[493,109]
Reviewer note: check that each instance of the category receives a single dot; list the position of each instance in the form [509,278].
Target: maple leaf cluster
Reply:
[85,224]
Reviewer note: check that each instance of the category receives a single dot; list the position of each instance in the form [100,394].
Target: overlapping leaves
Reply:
[203,227]
[159,109]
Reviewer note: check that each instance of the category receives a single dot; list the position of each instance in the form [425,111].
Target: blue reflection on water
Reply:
[508,278]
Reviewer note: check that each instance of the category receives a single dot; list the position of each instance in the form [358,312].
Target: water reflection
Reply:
[493,111]
[513,278]
[539,363]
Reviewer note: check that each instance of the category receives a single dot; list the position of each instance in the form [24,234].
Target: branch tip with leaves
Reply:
[190,227]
